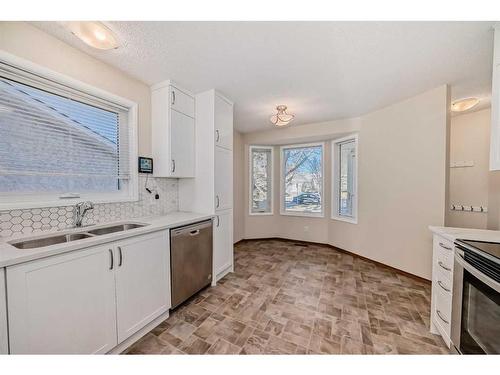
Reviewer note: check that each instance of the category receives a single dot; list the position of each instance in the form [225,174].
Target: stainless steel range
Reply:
[475,323]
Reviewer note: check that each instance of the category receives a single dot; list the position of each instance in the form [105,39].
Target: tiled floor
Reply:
[287,298]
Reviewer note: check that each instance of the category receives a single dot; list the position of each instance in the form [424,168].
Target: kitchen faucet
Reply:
[79,212]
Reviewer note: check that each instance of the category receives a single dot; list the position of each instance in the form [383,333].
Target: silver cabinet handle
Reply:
[441,317]
[443,287]
[173,165]
[443,266]
[173,97]
[112,259]
[120,261]
[218,201]
[194,232]
[218,221]
[217,135]
[445,247]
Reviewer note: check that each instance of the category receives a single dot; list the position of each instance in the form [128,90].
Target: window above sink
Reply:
[63,140]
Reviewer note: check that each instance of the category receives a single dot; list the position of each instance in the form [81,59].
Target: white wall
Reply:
[28,42]
[469,141]
[402,180]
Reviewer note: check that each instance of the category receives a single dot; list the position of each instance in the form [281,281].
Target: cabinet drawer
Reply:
[181,102]
[444,264]
[443,253]
[442,280]
[442,313]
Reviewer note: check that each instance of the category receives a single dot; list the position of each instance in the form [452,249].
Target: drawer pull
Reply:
[445,247]
[441,317]
[443,287]
[443,266]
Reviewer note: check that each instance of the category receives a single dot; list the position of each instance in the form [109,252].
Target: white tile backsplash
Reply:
[17,222]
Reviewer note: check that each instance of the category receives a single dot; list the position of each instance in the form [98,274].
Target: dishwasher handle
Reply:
[191,229]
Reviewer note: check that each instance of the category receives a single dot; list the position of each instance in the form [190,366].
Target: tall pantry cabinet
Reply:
[211,191]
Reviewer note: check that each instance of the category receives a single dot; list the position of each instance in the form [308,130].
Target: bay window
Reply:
[344,172]
[302,180]
[261,175]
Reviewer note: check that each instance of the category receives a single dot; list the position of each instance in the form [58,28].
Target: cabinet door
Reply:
[181,101]
[223,179]
[223,123]
[142,281]
[63,304]
[4,348]
[182,144]
[223,243]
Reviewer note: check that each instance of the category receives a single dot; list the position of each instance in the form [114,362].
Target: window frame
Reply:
[250,176]
[38,76]
[336,180]
[282,181]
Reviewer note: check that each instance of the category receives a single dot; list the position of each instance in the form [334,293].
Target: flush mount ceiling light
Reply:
[281,118]
[93,33]
[464,104]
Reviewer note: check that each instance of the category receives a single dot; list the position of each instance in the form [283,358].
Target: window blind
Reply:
[53,140]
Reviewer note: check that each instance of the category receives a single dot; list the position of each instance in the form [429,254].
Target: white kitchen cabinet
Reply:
[142,281]
[173,131]
[4,346]
[223,179]
[181,101]
[223,122]
[495,105]
[90,300]
[63,304]
[223,243]
[182,145]
[211,191]
[442,287]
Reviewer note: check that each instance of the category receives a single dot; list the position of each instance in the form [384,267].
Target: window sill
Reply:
[261,213]
[303,214]
[345,219]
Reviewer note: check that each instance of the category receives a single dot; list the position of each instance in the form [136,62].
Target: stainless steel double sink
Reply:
[72,236]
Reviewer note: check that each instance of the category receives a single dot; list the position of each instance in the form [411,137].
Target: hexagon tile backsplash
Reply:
[18,222]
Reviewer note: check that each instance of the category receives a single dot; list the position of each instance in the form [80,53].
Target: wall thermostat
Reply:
[145,165]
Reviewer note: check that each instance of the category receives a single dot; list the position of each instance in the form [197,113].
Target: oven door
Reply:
[476,307]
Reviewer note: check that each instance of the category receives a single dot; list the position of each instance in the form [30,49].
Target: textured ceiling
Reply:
[321,70]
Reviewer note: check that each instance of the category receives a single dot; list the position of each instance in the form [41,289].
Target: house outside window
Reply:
[59,144]
[302,180]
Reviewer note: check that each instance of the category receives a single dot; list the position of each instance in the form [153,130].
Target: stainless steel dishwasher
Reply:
[191,250]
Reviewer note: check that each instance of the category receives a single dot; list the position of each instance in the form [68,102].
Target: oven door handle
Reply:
[481,276]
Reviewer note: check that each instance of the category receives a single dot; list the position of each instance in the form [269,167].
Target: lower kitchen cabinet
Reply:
[90,300]
[63,304]
[223,243]
[142,282]
[4,347]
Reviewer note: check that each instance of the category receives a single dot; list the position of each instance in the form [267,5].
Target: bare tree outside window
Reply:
[303,178]
[261,167]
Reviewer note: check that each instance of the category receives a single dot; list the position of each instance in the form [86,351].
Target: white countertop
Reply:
[467,234]
[10,255]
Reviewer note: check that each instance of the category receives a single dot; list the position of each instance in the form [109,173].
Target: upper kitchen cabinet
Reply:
[495,106]
[173,131]
[223,122]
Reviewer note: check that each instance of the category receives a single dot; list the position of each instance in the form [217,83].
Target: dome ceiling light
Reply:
[281,118]
[463,105]
[93,33]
